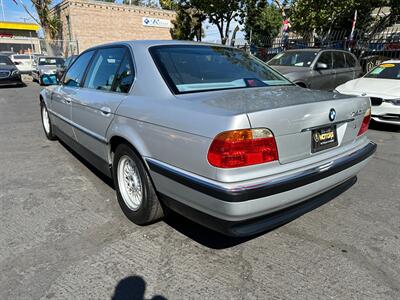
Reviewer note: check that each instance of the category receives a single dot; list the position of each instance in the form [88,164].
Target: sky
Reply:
[16,13]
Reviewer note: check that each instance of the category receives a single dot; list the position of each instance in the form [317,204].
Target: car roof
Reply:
[151,43]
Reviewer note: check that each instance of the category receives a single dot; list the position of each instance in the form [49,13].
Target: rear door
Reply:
[107,82]
[62,96]
[344,72]
[322,78]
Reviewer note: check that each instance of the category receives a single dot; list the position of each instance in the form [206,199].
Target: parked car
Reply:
[45,65]
[9,73]
[61,70]
[321,69]
[382,85]
[393,42]
[7,53]
[210,131]
[24,62]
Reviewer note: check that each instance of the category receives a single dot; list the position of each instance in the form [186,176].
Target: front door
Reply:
[61,100]
[323,79]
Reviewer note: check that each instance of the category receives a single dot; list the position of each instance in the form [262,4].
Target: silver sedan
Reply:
[206,130]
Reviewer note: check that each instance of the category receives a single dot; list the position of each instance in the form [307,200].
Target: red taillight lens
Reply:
[365,122]
[239,148]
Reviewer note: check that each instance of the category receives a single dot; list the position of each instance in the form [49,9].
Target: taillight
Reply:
[365,122]
[239,148]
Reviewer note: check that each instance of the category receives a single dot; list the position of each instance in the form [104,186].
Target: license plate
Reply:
[323,138]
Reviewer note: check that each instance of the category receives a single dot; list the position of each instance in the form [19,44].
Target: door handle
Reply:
[105,111]
[67,100]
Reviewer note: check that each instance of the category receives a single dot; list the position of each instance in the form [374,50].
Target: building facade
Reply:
[19,37]
[95,22]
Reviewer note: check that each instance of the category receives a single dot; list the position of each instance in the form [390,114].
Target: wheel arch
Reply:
[301,84]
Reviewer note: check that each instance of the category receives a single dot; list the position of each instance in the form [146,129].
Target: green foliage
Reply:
[262,21]
[220,13]
[307,15]
[188,22]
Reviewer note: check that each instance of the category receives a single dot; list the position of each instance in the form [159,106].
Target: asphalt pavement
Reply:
[64,236]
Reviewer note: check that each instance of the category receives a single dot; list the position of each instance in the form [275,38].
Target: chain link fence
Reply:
[371,48]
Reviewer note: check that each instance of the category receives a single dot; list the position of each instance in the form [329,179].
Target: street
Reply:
[63,235]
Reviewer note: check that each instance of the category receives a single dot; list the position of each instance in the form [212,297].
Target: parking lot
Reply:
[64,236]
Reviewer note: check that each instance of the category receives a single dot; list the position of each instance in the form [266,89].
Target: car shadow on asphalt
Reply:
[384,127]
[132,288]
[214,240]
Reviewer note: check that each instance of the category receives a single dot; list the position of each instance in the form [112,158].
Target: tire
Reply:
[47,126]
[141,205]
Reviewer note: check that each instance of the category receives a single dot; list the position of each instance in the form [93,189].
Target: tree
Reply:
[188,22]
[262,22]
[49,23]
[220,13]
[309,15]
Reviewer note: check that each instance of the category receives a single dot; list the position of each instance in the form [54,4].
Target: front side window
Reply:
[189,68]
[104,68]
[74,75]
[338,60]
[326,58]
[294,59]
[385,71]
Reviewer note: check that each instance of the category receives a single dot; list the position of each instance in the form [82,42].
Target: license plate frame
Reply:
[323,138]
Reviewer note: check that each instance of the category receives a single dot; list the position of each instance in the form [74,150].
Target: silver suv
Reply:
[319,69]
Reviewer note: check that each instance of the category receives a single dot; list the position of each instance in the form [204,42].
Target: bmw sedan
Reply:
[9,73]
[382,85]
[208,131]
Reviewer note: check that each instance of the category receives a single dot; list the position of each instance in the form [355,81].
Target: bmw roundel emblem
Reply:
[332,114]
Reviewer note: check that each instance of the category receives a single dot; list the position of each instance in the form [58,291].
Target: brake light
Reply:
[365,122]
[239,148]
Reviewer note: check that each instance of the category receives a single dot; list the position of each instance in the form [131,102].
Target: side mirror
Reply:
[321,66]
[16,63]
[50,79]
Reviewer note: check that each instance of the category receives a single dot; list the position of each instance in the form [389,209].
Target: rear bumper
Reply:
[240,203]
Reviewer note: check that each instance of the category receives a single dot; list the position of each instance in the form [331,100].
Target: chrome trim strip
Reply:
[268,188]
[328,124]
[79,127]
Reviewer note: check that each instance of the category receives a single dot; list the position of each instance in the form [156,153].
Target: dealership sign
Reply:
[156,22]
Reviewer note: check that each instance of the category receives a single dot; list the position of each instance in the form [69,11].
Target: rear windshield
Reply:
[192,68]
[4,61]
[51,61]
[294,58]
[385,71]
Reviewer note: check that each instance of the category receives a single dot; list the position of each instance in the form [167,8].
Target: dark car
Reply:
[320,69]
[61,70]
[9,73]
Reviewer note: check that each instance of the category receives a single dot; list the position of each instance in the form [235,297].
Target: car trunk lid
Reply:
[296,126]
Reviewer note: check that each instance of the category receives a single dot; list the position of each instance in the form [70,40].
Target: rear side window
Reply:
[350,61]
[326,58]
[104,68]
[75,74]
[338,60]
[125,76]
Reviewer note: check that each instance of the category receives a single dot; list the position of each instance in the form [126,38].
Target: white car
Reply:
[23,62]
[382,85]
